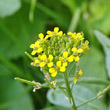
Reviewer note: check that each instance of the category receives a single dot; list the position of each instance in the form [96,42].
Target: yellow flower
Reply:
[80,50]
[50,57]
[56,29]
[64,64]
[62,69]
[76,58]
[70,58]
[74,49]
[39,50]
[80,72]
[53,72]
[42,64]
[41,36]
[75,80]
[50,64]
[65,54]
[58,63]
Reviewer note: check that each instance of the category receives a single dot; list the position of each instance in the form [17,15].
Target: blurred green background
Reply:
[20,23]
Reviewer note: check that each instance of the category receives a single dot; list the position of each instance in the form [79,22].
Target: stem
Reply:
[29,56]
[87,101]
[29,82]
[70,96]
[100,94]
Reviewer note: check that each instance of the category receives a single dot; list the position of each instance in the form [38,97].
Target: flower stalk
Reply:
[69,92]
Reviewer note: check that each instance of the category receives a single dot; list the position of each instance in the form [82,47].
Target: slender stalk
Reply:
[69,92]
[29,82]
[29,56]
[87,101]
[100,94]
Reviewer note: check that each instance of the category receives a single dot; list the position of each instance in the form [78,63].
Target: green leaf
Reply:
[9,7]
[80,93]
[14,96]
[105,42]
[99,16]
[15,36]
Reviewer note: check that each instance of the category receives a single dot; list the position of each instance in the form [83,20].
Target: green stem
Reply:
[51,86]
[29,56]
[87,101]
[69,92]
[100,94]
[29,82]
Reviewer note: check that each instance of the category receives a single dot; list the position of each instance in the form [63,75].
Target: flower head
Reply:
[56,50]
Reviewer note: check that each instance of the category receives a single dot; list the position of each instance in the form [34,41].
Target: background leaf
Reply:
[105,42]
[80,93]
[9,7]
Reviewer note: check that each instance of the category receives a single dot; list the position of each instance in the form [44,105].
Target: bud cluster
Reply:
[56,50]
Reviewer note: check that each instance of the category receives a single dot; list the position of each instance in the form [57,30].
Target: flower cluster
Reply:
[56,50]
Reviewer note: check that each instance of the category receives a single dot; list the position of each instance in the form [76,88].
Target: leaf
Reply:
[105,42]
[9,7]
[80,93]
[16,34]
[14,96]
[99,16]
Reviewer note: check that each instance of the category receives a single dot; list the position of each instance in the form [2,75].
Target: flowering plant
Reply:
[54,53]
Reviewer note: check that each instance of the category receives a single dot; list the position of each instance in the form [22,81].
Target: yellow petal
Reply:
[43,57]
[52,70]
[41,36]
[32,46]
[61,58]
[60,33]
[33,52]
[39,50]
[50,64]
[42,64]
[80,72]
[58,63]
[77,58]
[56,29]
[65,54]
[50,57]
[54,74]
[33,64]
[47,36]
[49,32]
[36,60]
[37,44]
[75,80]
[62,69]
[70,58]
[64,64]
[69,33]
[74,49]
[80,50]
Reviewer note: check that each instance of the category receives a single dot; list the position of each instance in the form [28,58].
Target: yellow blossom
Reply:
[41,36]
[74,49]
[75,80]
[42,64]
[50,64]
[65,54]
[62,69]
[58,63]
[80,72]
[80,50]
[53,72]
[70,58]
[76,58]
[56,29]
